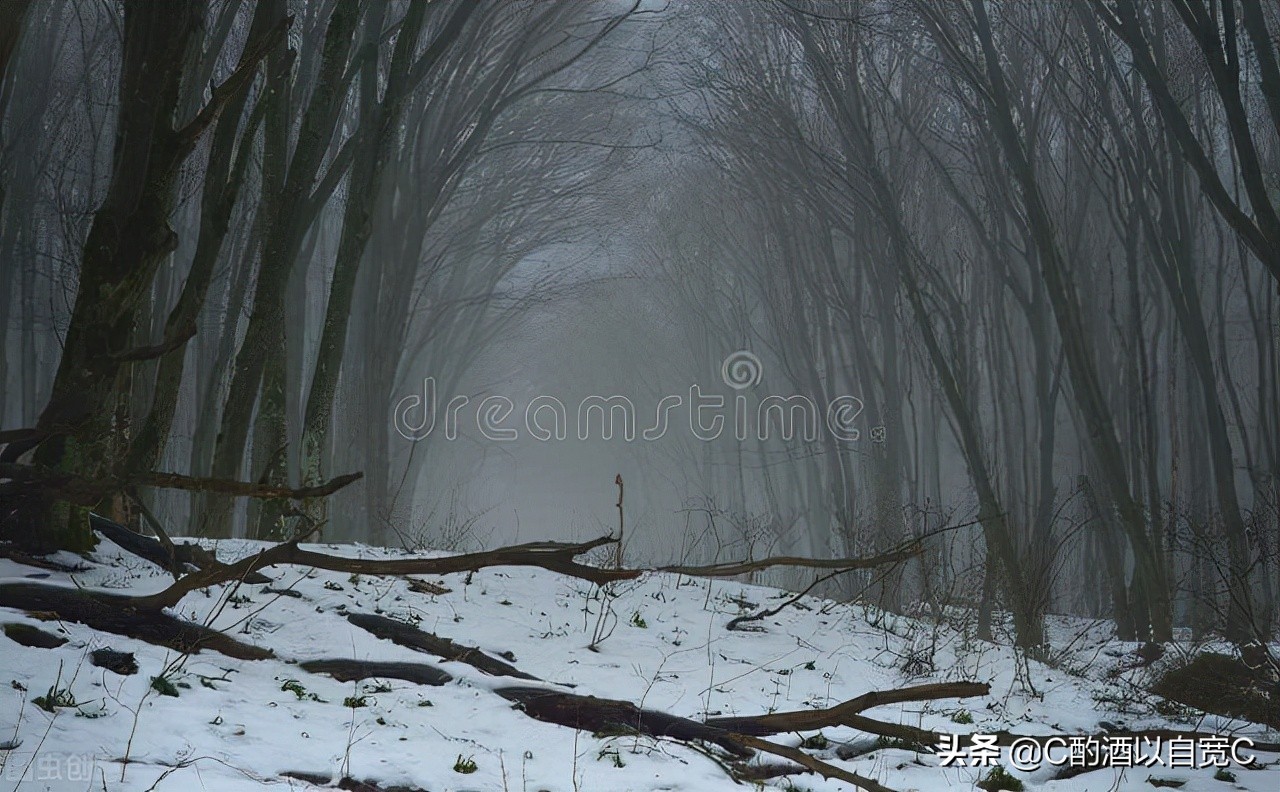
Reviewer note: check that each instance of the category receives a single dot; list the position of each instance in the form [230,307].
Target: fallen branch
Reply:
[614,716]
[910,550]
[171,558]
[824,769]
[86,491]
[115,614]
[33,637]
[586,713]
[554,556]
[242,489]
[738,621]
[355,670]
[560,557]
[413,638]
[162,536]
[221,95]
[839,715]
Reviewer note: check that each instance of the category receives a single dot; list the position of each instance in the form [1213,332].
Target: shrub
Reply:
[998,779]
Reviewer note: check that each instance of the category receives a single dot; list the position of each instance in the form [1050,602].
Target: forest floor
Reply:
[245,724]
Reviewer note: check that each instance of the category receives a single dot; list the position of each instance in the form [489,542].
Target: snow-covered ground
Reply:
[241,725]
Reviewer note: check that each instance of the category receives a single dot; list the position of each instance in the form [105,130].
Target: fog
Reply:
[997,279]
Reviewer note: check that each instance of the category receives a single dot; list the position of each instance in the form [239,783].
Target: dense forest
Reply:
[998,282]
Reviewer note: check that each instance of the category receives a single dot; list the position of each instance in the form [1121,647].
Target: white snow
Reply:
[233,727]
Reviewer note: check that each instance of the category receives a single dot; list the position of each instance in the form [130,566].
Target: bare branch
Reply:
[254,52]
[181,337]
[242,488]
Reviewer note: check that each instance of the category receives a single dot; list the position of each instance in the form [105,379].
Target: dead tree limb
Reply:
[242,489]
[737,622]
[908,551]
[174,557]
[848,714]
[812,720]
[33,637]
[614,716]
[413,638]
[554,556]
[353,670]
[88,491]
[560,557]
[585,713]
[824,769]
[115,614]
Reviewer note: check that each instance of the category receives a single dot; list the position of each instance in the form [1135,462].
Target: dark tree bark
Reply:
[129,237]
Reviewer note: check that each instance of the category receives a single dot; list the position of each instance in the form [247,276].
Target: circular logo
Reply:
[741,370]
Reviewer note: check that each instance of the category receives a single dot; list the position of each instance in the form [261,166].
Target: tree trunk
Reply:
[128,239]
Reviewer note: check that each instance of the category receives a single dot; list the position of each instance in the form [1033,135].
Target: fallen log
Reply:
[355,670]
[185,556]
[243,489]
[116,614]
[409,636]
[848,714]
[553,556]
[840,714]
[32,637]
[88,491]
[559,557]
[614,716]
